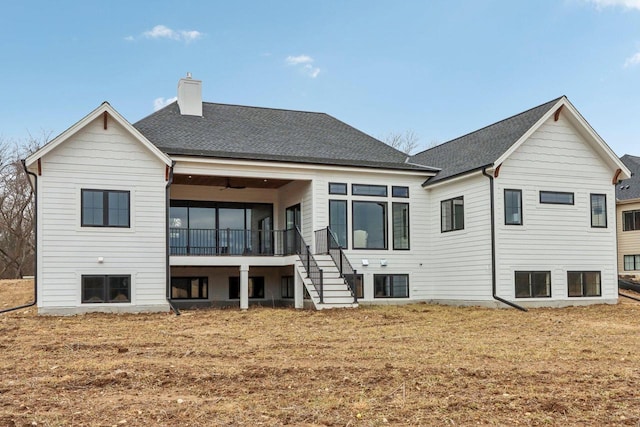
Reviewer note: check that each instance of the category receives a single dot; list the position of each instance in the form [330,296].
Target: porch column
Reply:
[298,290]
[244,287]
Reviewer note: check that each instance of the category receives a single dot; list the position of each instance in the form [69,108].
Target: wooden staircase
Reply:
[335,291]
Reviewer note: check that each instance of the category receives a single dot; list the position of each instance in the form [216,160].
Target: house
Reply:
[628,220]
[204,204]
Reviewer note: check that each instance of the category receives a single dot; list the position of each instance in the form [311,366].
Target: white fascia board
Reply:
[104,107]
[576,118]
[183,161]
[457,178]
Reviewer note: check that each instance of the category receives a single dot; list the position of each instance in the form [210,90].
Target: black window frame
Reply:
[333,190]
[393,226]
[506,216]
[203,285]
[583,285]
[591,197]
[635,220]
[530,285]
[384,223]
[252,287]
[636,262]
[375,292]
[287,283]
[106,288]
[105,208]
[362,190]
[400,191]
[453,216]
[557,193]
[346,221]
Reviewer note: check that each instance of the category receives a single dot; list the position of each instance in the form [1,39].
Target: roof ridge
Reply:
[263,108]
[490,125]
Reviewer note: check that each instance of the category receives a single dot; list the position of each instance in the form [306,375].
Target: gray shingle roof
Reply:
[630,188]
[480,148]
[240,132]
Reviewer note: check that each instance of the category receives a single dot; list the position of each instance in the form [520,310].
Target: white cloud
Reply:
[628,4]
[300,59]
[632,60]
[159,103]
[164,32]
[304,61]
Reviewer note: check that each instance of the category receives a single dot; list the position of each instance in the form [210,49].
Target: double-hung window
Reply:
[105,208]
[631,262]
[452,214]
[630,220]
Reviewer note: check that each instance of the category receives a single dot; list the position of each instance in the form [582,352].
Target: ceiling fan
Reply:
[232,187]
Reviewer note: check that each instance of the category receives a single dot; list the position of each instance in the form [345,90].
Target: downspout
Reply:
[493,247]
[35,236]
[168,248]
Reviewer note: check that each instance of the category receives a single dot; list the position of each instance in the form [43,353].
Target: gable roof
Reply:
[241,132]
[493,144]
[482,147]
[105,107]
[629,189]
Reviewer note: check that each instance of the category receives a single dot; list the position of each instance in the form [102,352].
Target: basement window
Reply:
[256,287]
[533,284]
[391,285]
[106,289]
[189,287]
[584,283]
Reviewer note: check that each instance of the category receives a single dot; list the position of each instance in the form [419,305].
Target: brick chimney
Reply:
[190,96]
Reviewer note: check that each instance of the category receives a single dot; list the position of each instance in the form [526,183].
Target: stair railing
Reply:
[326,243]
[314,272]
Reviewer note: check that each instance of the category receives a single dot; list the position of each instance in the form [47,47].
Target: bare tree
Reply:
[406,142]
[17,245]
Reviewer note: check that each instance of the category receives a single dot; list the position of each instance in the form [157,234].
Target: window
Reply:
[533,284]
[599,210]
[356,281]
[391,285]
[256,287]
[400,220]
[583,283]
[106,289]
[452,214]
[189,287]
[556,197]
[400,191]
[369,190]
[337,188]
[513,207]
[369,225]
[630,220]
[287,287]
[338,220]
[104,208]
[631,262]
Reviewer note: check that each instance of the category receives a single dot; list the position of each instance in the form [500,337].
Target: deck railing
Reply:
[314,272]
[230,242]
[326,243]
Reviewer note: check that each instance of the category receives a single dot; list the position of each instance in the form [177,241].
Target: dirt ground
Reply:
[392,365]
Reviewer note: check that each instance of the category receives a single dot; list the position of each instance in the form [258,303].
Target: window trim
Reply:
[573,197]
[530,289]
[506,221]
[391,276]
[203,283]
[399,187]
[355,192]
[582,284]
[346,188]
[605,210]
[385,221]
[105,208]
[105,290]
[442,202]
[633,212]
[393,228]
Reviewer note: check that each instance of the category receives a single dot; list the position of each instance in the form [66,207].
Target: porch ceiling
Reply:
[229,182]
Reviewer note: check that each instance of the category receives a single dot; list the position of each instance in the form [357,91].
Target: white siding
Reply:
[554,237]
[110,159]
[460,261]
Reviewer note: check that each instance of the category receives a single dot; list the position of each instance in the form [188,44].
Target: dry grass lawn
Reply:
[408,365]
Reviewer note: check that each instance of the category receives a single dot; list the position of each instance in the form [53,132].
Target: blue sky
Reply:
[439,68]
